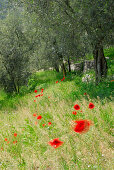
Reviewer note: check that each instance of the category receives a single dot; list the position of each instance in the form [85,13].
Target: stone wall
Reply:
[83,66]
[88,65]
[77,67]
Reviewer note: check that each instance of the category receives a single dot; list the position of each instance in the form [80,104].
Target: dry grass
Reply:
[92,150]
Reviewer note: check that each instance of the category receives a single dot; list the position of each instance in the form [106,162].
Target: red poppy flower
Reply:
[56,81]
[13,142]
[5,139]
[15,134]
[1,148]
[35,91]
[76,107]
[81,111]
[34,114]
[82,126]
[85,93]
[91,105]
[16,141]
[48,97]
[61,79]
[43,125]
[39,117]
[41,94]
[49,123]
[8,142]
[74,112]
[34,100]
[55,143]
[42,89]
[38,95]
[36,123]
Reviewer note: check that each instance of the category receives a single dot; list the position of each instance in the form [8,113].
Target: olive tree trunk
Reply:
[69,68]
[100,64]
[56,67]
[63,70]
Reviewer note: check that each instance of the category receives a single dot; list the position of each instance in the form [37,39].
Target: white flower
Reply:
[87,78]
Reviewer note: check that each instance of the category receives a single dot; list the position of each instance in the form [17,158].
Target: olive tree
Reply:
[14,51]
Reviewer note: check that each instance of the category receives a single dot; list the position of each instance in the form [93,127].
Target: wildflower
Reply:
[76,107]
[8,142]
[91,105]
[36,123]
[42,89]
[55,143]
[34,114]
[34,100]
[41,94]
[48,97]
[49,123]
[35,91]
[13,142]
[86,78]
[39,117]
[74,112]
[1,148]
[15,134]
[5,139]
[56,81]
[61,79]
[85,93]
[80,110]
[43,125]
[38,95]
[82,126]
[16,141]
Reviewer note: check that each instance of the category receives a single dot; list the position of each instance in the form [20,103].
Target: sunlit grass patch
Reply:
[92,150]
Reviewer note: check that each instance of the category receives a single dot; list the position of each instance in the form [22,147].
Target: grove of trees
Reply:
[39,34]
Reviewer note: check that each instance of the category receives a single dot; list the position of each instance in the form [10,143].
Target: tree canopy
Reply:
[42,34]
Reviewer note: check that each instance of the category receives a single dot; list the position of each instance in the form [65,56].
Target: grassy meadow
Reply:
[31,151]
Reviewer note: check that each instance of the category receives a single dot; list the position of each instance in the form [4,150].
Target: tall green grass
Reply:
[92,150]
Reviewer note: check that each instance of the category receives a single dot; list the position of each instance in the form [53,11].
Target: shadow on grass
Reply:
[103,90]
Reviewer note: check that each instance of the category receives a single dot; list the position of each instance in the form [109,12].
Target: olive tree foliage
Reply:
[95,22]
[57,24]
[96,18]
[15,49]
[76,27]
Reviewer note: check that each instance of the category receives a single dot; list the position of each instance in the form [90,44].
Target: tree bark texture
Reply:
[56,67]
[63,70]
[100,64]
[69,65]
